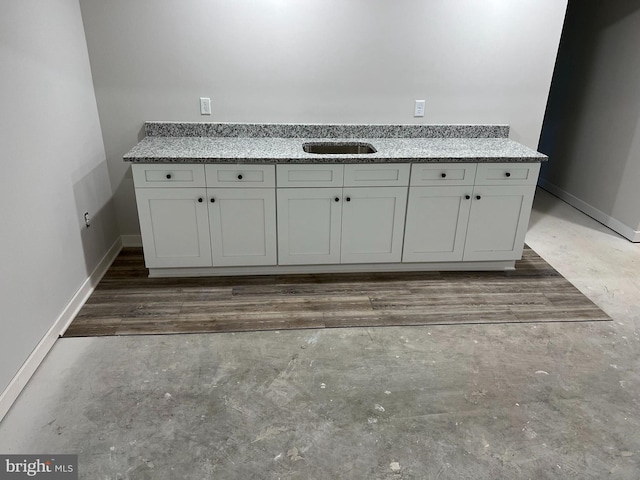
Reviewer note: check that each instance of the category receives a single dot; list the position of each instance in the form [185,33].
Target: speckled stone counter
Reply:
[184,142]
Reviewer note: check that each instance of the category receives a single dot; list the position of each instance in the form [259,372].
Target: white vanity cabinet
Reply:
[373,212]
[468,212]
[338,214]
[185,224]
[173,215]
[500,209]
[242,214]
[438,212]
[229,219]
[309,204]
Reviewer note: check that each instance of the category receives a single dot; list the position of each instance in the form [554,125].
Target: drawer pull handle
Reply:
[200,200]
[348,199]
[168,176]
[336,199]
[443,175]
[240,176]
[478,197]
[508,174]
[467,197]
[213,200]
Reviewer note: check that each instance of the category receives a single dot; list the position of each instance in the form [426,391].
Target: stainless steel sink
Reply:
[332,148]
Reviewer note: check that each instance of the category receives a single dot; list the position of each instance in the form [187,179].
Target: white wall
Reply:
[355,61]
[592,126]
[53,169]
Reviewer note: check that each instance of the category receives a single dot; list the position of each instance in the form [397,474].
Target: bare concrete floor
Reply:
[451,402]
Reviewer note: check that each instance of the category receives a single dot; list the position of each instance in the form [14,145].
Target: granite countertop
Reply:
[168,142]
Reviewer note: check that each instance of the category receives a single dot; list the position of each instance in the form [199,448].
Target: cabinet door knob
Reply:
[478,197]
[239,176]
[507,174]
[213,200]
[443,175]
[337,199]
[467,197]
[348,199]
[200,200]
[168,176]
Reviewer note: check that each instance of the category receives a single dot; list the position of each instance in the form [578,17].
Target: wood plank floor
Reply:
[126,302]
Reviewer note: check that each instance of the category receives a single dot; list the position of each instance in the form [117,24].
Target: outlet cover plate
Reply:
[205,106]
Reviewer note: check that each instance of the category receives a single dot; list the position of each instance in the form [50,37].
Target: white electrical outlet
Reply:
[419,108]
[205,106]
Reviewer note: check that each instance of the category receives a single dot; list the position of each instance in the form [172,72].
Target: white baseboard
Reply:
[131,240]
[607,220]
[58,328]
[332,268]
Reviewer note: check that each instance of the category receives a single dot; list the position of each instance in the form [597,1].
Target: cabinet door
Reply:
[175,227]
[309,222]
[498,222]
[243,226]
[372,224]
[436,223]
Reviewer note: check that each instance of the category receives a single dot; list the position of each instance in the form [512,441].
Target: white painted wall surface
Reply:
[53,168]
[356,61]
[592,126]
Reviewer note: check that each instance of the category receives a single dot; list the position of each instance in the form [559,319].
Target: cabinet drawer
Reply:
[428,174]
[168,175]
[325,175]
[507,173]
[240,176]
[374,174]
